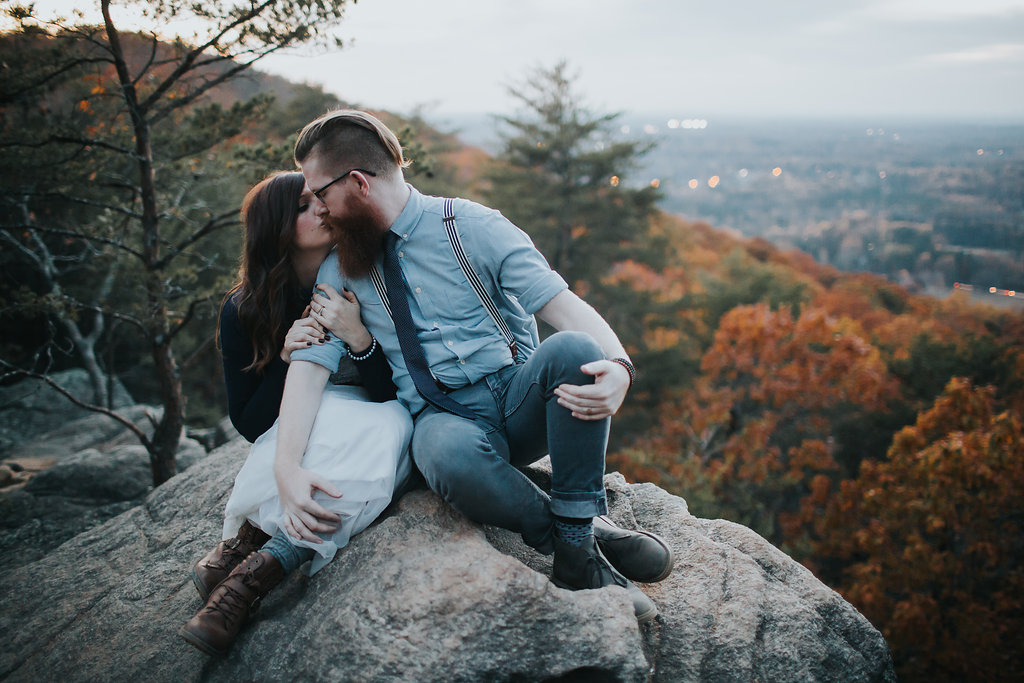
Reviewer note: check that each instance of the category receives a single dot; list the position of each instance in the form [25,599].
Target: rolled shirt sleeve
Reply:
[513,260]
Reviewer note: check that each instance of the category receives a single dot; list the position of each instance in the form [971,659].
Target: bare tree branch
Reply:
[188,316]
[215,223]
[180,102]
[67,139]
[123,317]
[88,202]
[128,424]
[16,243]
[154,44]
[8,97]
[188,62]
[72,233]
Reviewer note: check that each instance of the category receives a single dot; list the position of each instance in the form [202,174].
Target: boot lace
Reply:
[231,604]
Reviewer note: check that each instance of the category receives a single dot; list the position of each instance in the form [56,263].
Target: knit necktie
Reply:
[412,351]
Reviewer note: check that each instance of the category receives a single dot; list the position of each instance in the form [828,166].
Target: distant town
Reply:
[934,207]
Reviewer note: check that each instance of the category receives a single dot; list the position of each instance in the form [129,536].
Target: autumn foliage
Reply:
[872,434]
[931,540]
[757,425]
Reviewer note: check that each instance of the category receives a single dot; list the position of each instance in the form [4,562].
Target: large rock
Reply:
[56,491]
[121,473]
[427,595]
[94,430]
[32,407]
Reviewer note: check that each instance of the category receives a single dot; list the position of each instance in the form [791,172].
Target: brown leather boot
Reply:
[219,562]
[218,623]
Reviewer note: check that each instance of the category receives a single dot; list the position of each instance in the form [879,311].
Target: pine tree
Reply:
[562,177]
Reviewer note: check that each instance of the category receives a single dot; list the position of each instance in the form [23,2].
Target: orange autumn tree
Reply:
[929,544]
[749,440]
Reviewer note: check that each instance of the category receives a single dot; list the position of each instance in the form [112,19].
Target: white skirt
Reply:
[361,447]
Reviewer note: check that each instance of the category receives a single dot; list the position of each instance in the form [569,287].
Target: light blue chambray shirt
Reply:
[460,340]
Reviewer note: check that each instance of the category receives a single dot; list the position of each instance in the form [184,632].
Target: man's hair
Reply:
[347,138]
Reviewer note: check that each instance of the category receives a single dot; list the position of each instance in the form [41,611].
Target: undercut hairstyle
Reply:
[348,138]
[267,294]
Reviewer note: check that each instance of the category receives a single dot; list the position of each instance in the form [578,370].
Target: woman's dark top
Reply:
[254,398]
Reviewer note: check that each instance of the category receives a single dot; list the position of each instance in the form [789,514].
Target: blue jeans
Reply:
[473,464]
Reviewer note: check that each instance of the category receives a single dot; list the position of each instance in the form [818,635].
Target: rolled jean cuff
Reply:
[578,504]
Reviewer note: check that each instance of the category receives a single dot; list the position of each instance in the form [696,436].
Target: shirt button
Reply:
[462,362]
[401,254]
[405,236]
[418,290]
[436,325]
[451,343]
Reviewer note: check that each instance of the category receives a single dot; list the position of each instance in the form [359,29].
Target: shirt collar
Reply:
[410,216]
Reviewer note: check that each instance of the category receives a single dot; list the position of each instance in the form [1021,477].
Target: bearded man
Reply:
[487,397]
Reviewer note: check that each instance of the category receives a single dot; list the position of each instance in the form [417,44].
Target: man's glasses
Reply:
[319,194]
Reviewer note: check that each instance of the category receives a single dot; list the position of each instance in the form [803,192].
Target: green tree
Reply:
[562,177]
[114,169]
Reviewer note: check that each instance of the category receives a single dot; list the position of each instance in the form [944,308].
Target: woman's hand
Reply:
[304,332]
[338,313]
[304,518]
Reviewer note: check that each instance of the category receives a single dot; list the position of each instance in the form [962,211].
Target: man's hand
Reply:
[303,516]
[598,400]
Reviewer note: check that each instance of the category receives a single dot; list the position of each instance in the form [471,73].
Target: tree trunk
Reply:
[168,430]
[165,440]
[86,348]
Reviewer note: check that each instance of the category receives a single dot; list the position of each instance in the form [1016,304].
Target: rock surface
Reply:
[73,477]
[426,595]
[31,407]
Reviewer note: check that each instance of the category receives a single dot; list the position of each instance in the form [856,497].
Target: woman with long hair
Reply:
[357,447]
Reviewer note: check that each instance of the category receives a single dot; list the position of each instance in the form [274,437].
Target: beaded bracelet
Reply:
[624,362]
[366,354]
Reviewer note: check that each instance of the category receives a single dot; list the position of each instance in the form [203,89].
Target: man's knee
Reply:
[564,352]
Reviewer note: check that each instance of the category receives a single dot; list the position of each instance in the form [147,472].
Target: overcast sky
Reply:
[858,59]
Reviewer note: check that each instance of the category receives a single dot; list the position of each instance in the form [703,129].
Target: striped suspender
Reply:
[382,292]
[467,270]
[474,281]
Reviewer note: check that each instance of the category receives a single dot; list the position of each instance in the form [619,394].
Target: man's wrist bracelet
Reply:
[365,354]
[624,362]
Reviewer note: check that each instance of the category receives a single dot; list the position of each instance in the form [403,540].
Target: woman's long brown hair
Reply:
[266,293]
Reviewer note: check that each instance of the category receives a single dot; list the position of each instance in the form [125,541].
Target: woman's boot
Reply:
[219,562]
[216,626]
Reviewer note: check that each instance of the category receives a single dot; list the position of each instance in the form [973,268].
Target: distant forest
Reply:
[873,433]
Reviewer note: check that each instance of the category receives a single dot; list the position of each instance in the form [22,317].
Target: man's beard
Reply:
[359,239]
